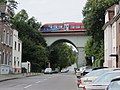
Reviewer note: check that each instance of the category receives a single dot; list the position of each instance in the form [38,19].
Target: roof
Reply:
[71,23]
[111,8]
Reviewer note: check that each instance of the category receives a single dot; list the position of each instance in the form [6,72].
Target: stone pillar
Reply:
[81,57]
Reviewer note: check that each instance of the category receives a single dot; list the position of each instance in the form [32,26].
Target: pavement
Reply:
[16,76]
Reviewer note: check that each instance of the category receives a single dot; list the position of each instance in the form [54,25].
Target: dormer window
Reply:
[110,14]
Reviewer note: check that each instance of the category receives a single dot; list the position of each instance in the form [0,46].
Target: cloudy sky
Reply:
[49,11]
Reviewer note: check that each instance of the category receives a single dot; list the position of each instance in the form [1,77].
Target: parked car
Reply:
[96,68]
[91,76]
[56,70]
[114,84]
[86,71]
[83,69]
[103,81]
[48,71]
[65,70]
[78,73]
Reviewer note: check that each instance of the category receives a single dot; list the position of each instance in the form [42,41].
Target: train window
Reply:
[82,27]
[60,26]
[72,27]
[50,26]
[78,26]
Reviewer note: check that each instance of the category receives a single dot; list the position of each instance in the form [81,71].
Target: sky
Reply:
[53,11]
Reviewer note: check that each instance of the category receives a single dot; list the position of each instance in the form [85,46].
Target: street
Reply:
[62,81]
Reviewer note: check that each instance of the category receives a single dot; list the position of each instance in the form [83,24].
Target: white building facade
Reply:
[16,53]
[110,43]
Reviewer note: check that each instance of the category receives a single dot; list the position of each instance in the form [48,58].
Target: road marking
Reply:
[49,77]
[44,79]
[38,82]
[28,86]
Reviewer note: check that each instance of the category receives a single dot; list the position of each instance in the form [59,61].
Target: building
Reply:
[17,53]
[112,36]
[26,66]
[10,45]
[6,34]
[5,41]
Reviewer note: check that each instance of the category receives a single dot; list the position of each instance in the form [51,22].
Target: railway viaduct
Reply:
[76,38]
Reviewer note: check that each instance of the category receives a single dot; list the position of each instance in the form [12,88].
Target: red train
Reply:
[67,26]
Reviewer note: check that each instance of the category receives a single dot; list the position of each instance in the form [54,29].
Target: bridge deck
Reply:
[67,33]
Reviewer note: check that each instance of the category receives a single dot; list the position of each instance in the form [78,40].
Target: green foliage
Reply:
[94,18]
[11,6]
[33,44]
[21,16]
[2,1]
[32,22]
[62,56]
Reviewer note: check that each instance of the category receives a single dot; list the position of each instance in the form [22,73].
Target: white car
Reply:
[48,71]
[90,77]
[103,81]
[114,84]
[65,70]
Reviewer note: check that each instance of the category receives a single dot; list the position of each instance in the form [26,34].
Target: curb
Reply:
[18,77]
[8,79]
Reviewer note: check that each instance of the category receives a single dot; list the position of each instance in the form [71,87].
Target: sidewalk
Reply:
[16,76]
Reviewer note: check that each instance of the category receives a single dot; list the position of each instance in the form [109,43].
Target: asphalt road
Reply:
[42,82]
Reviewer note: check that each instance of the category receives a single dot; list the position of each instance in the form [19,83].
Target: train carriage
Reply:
[67,26]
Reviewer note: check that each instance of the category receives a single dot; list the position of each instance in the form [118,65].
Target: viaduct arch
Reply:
[77,39]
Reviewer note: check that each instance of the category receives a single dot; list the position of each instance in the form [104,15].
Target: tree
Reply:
[1,1]
[33,44]
[11,5]
[94,19]
[21,16]
[33,23]
[62,56]
[8,7]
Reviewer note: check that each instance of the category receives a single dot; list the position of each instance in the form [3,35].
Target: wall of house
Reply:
[17,50]
[118,41]
[113,43]
[107,46]
[5,47]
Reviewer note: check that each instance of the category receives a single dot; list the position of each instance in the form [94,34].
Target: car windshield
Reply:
[96,72]
[48,69]
[106,77]
[115,85]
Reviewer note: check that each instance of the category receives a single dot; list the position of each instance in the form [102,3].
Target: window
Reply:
[3,39]
[72,27]
[15,45]
[14,61]
[78,27]
[10,40]
[7,38]
[119,27]
[18,46]
[82,27]
[6,59]
[18,63]
[10,62]
[2,62]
